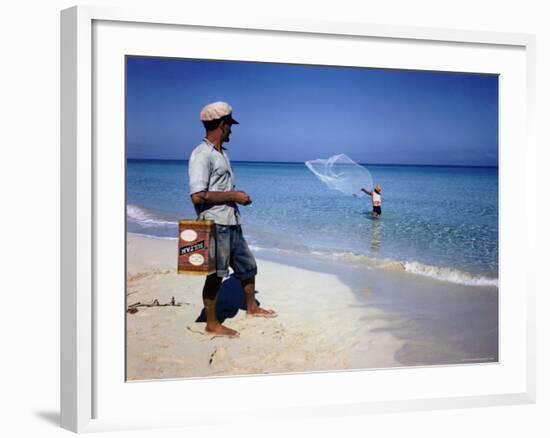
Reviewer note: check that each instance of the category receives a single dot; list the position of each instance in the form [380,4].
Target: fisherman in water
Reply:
[376,200]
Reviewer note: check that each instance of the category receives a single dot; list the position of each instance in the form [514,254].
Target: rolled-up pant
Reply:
[232,251]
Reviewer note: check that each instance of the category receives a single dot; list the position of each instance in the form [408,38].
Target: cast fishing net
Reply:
[341,173]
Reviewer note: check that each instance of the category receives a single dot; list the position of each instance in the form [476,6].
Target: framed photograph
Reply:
[309,217]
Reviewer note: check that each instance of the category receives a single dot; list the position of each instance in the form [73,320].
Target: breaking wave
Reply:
[145,217]
[447,274]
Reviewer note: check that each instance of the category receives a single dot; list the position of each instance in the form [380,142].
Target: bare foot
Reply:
[261,313]
[221,330]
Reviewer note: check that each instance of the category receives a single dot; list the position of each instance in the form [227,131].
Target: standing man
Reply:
[212,190]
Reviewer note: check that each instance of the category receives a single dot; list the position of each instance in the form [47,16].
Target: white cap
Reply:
[217,110]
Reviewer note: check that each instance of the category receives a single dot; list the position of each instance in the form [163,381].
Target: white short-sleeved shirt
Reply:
[210,171]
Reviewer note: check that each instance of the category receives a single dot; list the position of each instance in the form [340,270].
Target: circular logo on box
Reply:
[196,259]
[188,235]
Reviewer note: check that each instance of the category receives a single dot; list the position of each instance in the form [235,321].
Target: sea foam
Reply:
[449,274]
[440,273]
[145,217]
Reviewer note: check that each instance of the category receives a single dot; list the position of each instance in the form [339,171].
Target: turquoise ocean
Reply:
[436,221]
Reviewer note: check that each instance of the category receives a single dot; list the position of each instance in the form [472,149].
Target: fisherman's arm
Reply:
[213,198]
[367,192]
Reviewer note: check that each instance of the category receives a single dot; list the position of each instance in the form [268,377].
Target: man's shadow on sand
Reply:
[231,299]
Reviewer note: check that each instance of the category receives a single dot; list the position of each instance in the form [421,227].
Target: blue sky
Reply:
[297,113]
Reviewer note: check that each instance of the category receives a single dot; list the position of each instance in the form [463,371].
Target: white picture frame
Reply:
[84,385]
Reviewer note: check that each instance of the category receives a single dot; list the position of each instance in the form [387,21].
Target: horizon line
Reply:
[302,162]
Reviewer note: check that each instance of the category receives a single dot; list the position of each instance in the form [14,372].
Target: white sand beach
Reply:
[330,317]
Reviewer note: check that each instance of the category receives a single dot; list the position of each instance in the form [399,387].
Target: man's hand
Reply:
[242,198]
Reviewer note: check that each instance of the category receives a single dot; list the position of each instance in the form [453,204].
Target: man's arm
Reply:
[213,198]
[367,192]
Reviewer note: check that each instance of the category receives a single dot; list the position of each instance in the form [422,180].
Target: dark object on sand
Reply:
[133,308]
